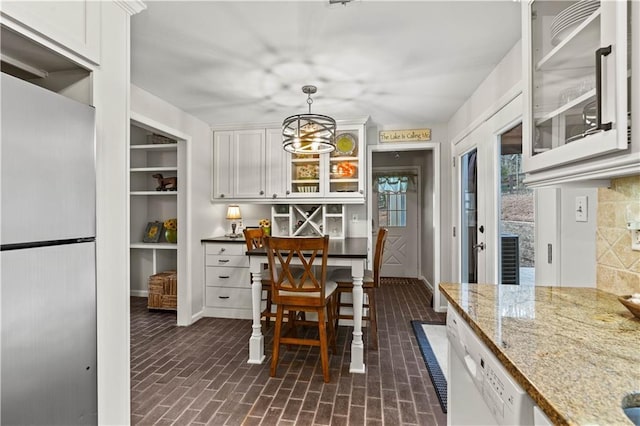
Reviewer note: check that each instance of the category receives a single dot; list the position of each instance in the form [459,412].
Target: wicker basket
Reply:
[163,291]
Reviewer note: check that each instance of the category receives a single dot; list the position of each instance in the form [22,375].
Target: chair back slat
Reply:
[307,256]
[377,258]
[254,238]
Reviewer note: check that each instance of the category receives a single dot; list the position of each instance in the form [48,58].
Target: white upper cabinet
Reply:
[239,166]
[339,175]
[278,164]
[61,25]
[577,103]
[251,165]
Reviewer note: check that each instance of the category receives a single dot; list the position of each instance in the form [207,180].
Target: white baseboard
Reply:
[426,283]
[139,293]
[197,316]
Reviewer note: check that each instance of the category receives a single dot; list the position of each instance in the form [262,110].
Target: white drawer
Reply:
[227,297]
[236,249]
[227,260]
[227,277]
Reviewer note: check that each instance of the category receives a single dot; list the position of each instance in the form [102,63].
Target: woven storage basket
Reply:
[163,291]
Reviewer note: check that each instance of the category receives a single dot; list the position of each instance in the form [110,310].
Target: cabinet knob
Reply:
[361,191]
[222,249]
[261,192]
[275,196]
[288,192]
[221,195]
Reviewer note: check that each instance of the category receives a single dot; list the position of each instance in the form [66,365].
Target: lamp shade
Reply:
[233,212]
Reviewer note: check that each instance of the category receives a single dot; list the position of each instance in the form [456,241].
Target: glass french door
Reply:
[469,220]
[478,176]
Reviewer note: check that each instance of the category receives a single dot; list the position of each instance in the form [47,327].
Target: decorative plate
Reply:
[345,144]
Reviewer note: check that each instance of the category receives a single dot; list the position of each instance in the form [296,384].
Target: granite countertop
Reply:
[576,351]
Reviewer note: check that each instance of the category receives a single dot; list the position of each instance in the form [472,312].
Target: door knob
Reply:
[478,247]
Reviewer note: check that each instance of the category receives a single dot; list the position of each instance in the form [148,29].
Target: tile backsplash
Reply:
[618,267]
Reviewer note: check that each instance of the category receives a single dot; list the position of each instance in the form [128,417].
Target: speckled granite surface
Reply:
[576,351]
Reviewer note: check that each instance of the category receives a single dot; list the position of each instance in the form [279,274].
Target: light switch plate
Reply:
[581,208]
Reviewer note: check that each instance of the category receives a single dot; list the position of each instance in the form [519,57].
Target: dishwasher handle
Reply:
[470,364]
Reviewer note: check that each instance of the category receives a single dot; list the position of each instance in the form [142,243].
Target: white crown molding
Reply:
[131,6]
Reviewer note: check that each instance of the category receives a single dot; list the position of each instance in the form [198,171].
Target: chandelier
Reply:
[309,133]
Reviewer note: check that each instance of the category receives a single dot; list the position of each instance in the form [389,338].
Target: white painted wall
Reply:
[578,239]
[501,86]
[199,211]
[504,81]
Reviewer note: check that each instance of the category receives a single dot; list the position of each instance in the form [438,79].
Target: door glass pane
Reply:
[469,231]
[392,204]
[517,226]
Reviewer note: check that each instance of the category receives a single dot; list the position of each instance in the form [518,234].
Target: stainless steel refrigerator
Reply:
[48,288]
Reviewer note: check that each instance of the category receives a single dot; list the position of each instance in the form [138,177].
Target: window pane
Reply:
[392,205]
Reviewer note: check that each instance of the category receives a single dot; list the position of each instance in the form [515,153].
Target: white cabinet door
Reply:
[72,24]
[339,175]
[278,164]
[577,74]
[248,164]
[222,149]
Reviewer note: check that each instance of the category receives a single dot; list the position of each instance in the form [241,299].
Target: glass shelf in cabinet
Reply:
[577,49]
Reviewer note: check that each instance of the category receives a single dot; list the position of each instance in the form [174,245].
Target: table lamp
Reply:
[233,214]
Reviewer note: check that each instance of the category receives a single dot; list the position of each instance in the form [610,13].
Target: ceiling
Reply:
[405,63]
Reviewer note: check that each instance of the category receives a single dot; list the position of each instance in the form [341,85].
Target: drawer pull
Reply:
[223,260]
[222,250]
[223,276]
[223,297]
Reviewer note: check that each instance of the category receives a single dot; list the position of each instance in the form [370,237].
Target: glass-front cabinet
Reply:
[577,57]
[338,174]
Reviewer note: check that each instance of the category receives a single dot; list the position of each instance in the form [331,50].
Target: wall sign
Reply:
[412,135]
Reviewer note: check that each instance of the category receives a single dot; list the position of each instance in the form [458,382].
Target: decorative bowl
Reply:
[634,308]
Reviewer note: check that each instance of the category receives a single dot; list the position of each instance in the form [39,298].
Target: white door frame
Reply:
[485,138]
[404,147]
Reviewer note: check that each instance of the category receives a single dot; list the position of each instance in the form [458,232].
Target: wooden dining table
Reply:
[343,252]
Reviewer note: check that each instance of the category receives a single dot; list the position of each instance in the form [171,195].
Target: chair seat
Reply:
[330,287]
[343,275]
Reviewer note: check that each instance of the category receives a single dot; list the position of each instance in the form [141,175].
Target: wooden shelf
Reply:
[153,169]
[154,246]
[156,147]
[154,193]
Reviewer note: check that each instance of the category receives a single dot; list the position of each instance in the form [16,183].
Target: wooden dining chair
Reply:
[254,238]
[370,282]
[309,291]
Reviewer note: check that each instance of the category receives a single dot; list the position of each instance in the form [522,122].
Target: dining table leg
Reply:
[256,342]
[357,346]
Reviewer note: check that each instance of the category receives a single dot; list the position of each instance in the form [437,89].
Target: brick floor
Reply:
[198,375]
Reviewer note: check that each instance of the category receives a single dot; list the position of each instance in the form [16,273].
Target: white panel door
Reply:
[399,214]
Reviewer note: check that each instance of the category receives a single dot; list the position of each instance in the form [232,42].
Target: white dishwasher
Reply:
[480,390]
